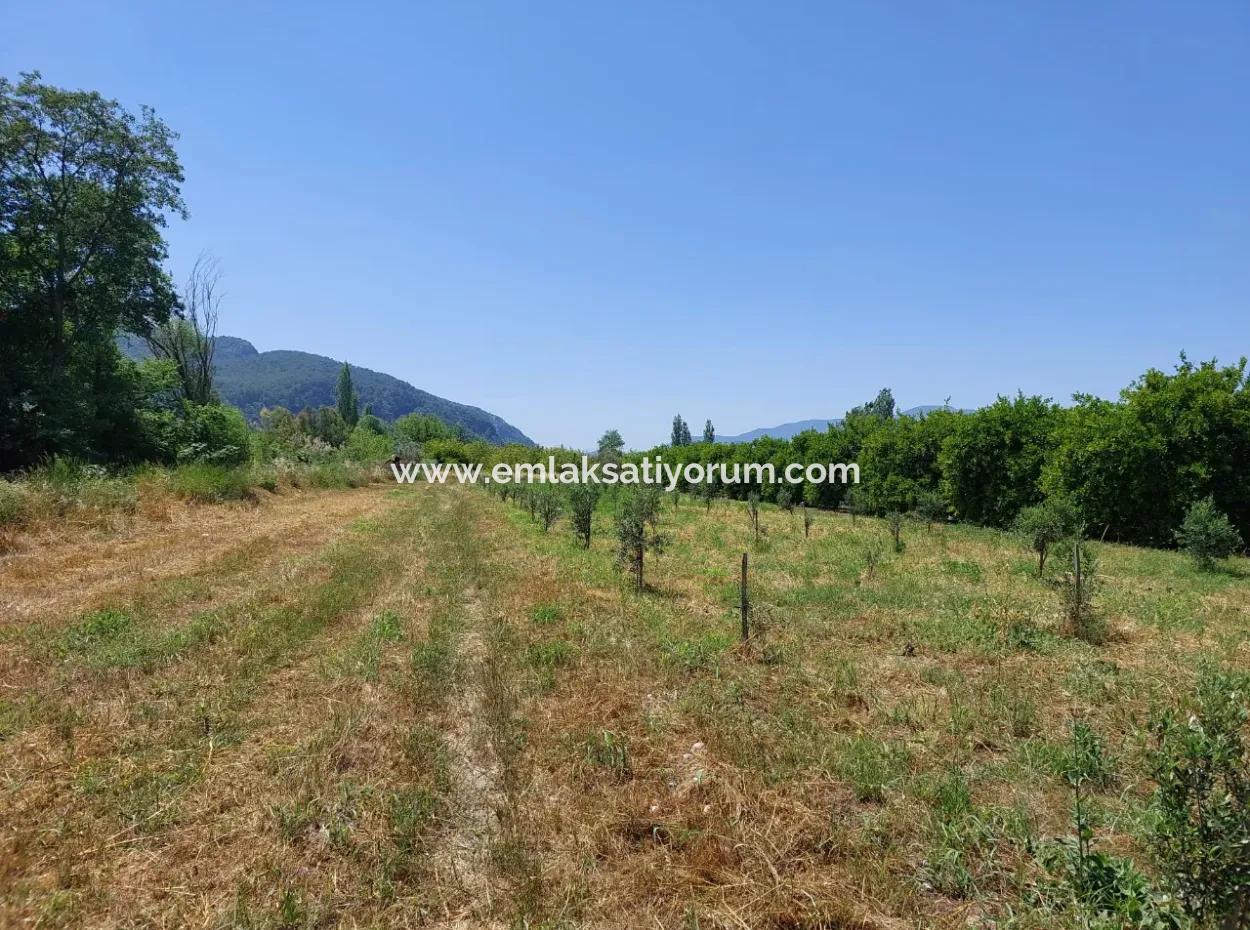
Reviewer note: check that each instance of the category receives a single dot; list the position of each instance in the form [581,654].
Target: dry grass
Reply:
[414,708]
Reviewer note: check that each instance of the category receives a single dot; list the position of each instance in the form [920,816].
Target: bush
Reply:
[214,433]
[1208,535]
[13,503]
[207,483]
[366,444]
[1201,833]
[337,475]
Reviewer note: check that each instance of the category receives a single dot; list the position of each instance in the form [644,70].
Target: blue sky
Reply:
[590,215]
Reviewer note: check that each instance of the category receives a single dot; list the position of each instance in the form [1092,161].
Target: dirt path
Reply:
[475,772]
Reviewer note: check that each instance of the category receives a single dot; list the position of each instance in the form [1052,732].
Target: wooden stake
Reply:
[744,604]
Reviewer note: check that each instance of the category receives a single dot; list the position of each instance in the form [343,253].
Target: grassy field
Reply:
[411,707]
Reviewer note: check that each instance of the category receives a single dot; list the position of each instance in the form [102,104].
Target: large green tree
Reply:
[1175,438]
[992,460]
[85,189]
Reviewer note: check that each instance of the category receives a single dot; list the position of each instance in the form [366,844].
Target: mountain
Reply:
[784,431]
[251,380]
[790,430]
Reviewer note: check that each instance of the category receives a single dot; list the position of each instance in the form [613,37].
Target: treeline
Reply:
[1132,467]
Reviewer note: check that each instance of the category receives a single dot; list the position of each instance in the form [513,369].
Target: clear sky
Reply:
[587,215]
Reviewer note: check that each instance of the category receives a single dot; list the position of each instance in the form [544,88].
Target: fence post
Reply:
[744,604]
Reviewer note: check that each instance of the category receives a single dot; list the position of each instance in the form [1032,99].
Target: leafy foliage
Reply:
[1042,526]
[582,500]
[85,187]
[1201,833]
[1208,535]
[637,520]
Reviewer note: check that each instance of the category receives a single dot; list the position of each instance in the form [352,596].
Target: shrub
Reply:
[336,475]
[214,433]
[1201,833]
[13,503]
[1208,535]
[208,483]
[366,444]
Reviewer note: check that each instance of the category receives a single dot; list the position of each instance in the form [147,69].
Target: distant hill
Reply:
[790,430]
[251,380]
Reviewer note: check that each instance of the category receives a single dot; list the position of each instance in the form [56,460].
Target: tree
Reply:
[85,189]
[709,432]
[894,523]
[637,519]
[1207,534]
[583,498]
[611,446]
[1043,525]
[1136,465]
[345,399]
[880,407]
[707,491]
[992,460]
[681,432]
[930,507]
[188,339]
[785,498]
[546,505]
[855,501]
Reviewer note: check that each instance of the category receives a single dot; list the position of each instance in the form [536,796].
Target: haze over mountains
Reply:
[252,380]
[790,430]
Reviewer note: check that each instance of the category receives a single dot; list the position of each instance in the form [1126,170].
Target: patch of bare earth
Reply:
[465,852]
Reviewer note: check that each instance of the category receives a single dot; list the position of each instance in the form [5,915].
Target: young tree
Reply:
[189,339]
[931,508]
[1207,534]
[637,518]
[894,523]
[807,520]
[753,513]
[611,446]
[1077,588]
[85,189]
[583,498]
[1044,525]
[855,501]
[546,505]
[707,492]
[345,399]
[709,432]
[785,498]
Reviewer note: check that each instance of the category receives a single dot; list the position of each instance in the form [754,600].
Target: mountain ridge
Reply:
[792,429]
[251,380]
